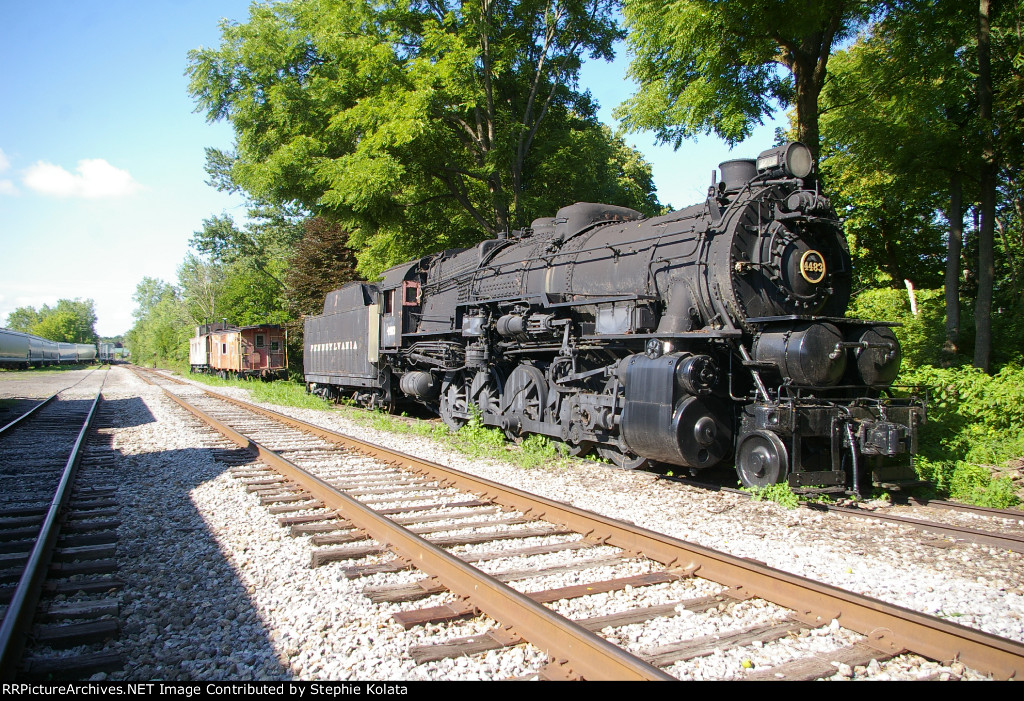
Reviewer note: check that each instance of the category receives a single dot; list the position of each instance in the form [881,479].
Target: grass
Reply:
[280,392]
[52,370]
[474,440]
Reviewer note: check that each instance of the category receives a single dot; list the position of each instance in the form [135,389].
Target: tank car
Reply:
[14,350]
[22,350]
[715,332]
[243,352]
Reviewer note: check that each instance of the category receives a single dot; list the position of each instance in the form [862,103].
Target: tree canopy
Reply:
[320,262]
[70,321]
[903,149]
[418,125]
[721,67]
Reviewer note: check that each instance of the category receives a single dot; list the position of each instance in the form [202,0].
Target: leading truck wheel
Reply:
[623,460]
[761,459]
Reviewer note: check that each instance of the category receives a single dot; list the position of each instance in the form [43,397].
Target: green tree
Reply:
[897,138]
[202,289]
[61,326]
[417,126]
[250,296]
[70,321]
[23,319]
[905,134]
[262,243]
[705,66]
[162,327]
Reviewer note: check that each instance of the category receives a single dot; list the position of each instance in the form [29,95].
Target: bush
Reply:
[921,337]
[975,425]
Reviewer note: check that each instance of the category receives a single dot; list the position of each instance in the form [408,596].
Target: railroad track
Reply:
[413,512]
[57,539]
[950,520]
[1003,528]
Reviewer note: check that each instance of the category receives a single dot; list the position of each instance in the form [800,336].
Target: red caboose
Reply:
[247,351]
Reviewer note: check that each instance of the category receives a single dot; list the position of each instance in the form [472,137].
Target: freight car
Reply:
[105,352]
[713,332]
[111,353]
[74,353]
[243,352]
[24,350]
[16,350]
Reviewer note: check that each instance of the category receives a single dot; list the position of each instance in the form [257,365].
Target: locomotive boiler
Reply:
[715,332]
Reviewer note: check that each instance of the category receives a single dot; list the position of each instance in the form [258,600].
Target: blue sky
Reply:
[101,154]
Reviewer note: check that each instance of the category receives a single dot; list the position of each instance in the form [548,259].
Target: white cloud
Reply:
[95,178]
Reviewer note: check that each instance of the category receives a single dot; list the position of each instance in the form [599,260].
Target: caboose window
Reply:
[389,301]
[223,348]
[260,341]
[275,346]
[410,294]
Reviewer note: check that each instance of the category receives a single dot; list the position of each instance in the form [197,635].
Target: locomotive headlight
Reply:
[793,159]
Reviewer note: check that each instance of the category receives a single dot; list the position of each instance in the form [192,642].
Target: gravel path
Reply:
[216,589]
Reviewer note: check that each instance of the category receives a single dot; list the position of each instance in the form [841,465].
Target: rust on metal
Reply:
[813,602]
[597,658]
[818,603]
[21,609]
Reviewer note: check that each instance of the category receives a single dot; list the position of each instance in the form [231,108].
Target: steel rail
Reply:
[27,414]
[21,610]
[586,653]
[1011,514]
[1008,541]
[890,628]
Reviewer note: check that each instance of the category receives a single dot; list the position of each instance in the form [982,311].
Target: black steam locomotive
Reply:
[713,332]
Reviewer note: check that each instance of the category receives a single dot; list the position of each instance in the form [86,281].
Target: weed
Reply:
[779,493]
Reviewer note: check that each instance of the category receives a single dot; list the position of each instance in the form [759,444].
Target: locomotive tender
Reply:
[712,332]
